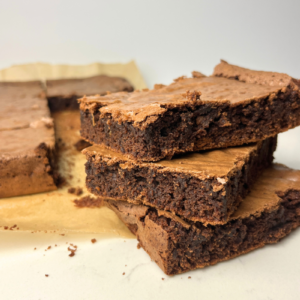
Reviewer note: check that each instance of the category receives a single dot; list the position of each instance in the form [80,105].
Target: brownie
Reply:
[269,213]
[27,140]
[21,103]
[233,107]
[206,186]
[63,93]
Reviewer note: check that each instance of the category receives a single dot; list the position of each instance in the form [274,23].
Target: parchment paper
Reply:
[55,211]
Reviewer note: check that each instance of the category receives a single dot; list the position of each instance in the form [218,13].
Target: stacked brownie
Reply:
[191,208]
[27,156]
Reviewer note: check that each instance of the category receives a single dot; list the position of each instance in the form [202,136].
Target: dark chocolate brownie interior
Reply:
[184,193]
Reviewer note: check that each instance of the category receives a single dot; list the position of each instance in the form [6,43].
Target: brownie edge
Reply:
[177,246]
[205,187]
[269,213]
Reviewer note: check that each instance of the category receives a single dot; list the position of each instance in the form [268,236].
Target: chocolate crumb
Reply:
[93,241]
[5,227]
[49,247]
[46,275]
[123,273]
[162,279]
[76,191]
[81,144]
[72,250]
[34,249]
[189,277]
[88,201]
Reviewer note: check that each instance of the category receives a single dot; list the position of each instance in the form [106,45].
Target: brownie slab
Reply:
[269,213]
[63,93]
[27,140]
[206,186]
[233,107]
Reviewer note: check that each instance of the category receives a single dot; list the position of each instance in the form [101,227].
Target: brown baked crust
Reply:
[269,213]
[193,114]
[27,140]
[205,187]
[63,94]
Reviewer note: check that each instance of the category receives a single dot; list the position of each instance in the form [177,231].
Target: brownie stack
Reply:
[191,208]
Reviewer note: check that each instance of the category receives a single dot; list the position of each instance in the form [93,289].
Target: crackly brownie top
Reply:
[224,69]
[21,104]
[219,164]
[25,121]
[100,84]
[145,106]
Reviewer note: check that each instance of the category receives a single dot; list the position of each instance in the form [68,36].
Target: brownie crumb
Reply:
[93,241]
[72,250]
[88,201]
[81,144]
[46,275]
[76,191]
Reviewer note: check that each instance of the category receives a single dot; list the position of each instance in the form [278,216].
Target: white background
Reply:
[167,39]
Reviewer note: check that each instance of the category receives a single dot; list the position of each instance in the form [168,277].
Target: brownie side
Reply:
[185,194]
[199,126]
[179,246]
[63,103]
[27,174]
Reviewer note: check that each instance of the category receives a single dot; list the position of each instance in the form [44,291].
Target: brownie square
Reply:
[269,213]
[206,186]
[233,107]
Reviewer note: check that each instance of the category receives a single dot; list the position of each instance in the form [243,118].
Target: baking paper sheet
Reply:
[55,211]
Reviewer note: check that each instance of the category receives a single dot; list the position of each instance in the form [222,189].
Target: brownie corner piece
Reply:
[206,186]
[26,161]
[268,214]
[233,107]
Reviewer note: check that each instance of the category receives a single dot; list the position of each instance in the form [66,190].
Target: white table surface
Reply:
[168,39]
